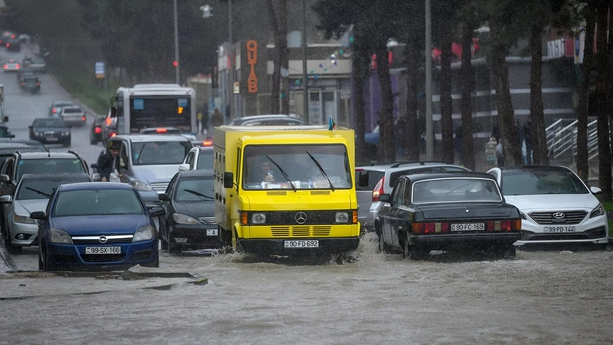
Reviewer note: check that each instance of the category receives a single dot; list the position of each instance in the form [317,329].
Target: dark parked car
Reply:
[447,211]
[95,130]
[13,44]
[190,212]
[29,82]
[96,225]
[50,131]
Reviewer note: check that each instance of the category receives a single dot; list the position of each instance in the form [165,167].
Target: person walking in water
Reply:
[217,118]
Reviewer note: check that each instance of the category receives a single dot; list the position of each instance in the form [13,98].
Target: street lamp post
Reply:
[429,126]
[177,78]
[230,64]
[305,81]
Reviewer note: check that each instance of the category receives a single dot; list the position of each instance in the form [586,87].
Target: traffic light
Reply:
[175,63]
[207,11]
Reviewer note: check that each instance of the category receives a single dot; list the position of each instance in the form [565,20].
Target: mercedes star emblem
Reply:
[300,217]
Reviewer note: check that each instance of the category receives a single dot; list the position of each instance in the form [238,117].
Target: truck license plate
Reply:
[301,244]
[102,250]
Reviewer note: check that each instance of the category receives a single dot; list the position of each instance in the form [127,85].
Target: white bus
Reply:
[151,106]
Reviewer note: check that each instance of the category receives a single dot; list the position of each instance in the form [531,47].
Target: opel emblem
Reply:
[300,217]
[102,239]
[559,215]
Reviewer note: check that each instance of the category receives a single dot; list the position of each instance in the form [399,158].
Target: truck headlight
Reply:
[23,219]
[258,218]
[184,219]
[142,186]
[598,211]
[59,236]
[143,233]
[341,217]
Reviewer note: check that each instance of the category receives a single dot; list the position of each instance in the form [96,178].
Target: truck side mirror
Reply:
[228,180]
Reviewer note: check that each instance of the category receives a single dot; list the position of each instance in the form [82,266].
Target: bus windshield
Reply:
[160,111]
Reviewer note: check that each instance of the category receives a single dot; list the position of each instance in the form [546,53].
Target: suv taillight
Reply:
[378,190]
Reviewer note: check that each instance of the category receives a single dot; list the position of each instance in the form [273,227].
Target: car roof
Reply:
[32,143]
[96,185]
[405,165]
[537,168]
[71,107]
[471,174]
[63,102]
[57,176]
[196,173]
[144,138]
[37,155]
[264,117]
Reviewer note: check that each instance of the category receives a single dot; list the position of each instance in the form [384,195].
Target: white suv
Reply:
[374,180]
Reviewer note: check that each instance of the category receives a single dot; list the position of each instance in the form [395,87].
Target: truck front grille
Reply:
[300,231]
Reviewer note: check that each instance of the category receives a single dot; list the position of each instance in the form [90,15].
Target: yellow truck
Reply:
[286,190]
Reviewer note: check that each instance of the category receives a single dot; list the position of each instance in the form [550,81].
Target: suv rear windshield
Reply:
[48,166]
[428,170]
[72,110]
[367,180]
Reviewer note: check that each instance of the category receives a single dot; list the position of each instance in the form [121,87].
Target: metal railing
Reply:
[562,139]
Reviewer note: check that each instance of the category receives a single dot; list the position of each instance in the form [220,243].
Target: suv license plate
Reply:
[102,250]
[468,227]
[301,244]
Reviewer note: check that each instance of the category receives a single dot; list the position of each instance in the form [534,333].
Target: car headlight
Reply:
[341,217]
[142,186]
[23,219]
[598,211]
[258,218]
[144,233]
[38,134]
[66,133]
[59,236]
[184,219]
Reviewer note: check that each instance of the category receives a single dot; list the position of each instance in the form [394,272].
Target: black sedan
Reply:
[50,131]
[447,211]
[189,222]
[95,131]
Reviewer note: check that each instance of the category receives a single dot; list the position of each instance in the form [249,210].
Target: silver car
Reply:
[375,180]
[31,194]
[73,115]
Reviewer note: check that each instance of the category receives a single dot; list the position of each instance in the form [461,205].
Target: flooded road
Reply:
[542,297]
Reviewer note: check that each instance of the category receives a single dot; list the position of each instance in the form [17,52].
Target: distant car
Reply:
[4,132]
[7,35]
[167,130]
[50,131]
[11,66]
[73,115]
[29,82]
[374,180]
[26,62]
[56,107]
[31,194]
[34,143]
[447,211]
[198,158]
[189,222]
[39,65]
[13,44]
[95,131]
[96,225]
[555,205]
[267,120]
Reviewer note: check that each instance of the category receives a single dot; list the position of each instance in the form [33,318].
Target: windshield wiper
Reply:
[282,172]
[39,192]
[321,169]
[198,194]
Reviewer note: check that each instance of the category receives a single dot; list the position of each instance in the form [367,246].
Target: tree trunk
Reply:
[583,167]
[467,82]
[447,146]
[387,151]
[283,56]
[506,122]
[537,116]
[604,150]
[276,75]
[360,61]
[412,140]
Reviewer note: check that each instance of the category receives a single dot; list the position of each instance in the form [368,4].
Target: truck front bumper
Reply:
[277,246]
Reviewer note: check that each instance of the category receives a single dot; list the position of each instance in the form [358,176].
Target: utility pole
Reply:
[177,75]
[305,80]
[230,65]
[429,127]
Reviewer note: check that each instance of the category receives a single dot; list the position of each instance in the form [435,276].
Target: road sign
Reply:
[99,69]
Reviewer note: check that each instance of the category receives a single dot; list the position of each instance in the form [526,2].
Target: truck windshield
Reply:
[275,166]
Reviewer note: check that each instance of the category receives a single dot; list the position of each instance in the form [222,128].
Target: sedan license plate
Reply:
[51,139]
[468,227]
[301,244]
[102,250]
[559,228]
[211,232]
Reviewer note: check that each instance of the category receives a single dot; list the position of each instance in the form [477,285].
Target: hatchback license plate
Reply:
[102,250]
[468,227]
[301,244]
[211,232]
[559,228]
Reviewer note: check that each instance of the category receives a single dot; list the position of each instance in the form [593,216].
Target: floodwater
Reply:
[542,297]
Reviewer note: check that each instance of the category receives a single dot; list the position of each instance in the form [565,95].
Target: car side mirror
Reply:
[94,165]
[156,212]
[595,190]
[6,199]
[163,197]
[228,180]
[385,198]
[363,179]
[5,119]
[183,167]
[40,215]
[96,177]
[4,178]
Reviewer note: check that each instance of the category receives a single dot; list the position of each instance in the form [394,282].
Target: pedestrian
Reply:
[490,153]
[108,164]
[217,118]
[528,141]
[199,117]
[400,136]
[500,154]
[520,135]
[457,143]
[204,119]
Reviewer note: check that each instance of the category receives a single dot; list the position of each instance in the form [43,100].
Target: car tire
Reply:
[383,248]
[9,243]
[41,265]
[509,252]
[413,252]
[172,249]
[163,243]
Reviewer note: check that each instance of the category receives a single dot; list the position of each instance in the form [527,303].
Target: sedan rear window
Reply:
[455,190]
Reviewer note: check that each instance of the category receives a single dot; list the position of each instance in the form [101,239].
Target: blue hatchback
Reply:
[97,225]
